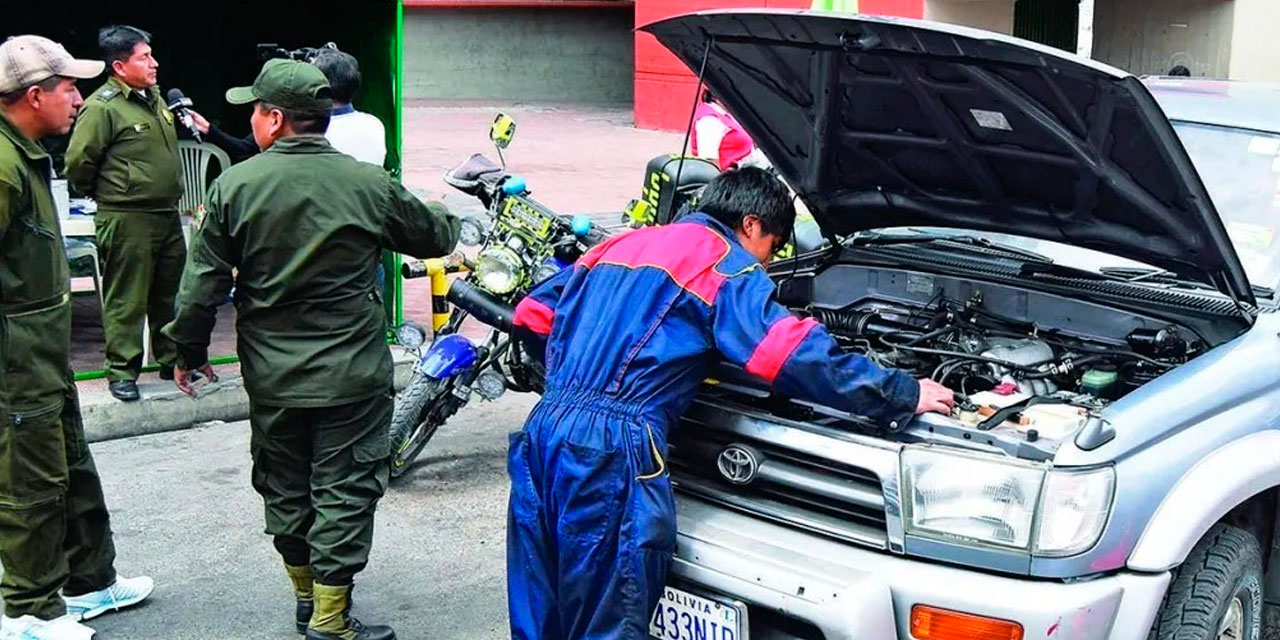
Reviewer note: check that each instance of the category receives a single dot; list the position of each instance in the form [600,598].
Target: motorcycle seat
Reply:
[472,171]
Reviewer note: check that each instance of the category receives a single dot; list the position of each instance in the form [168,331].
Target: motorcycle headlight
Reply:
[470,232]
[410,335]
[971,499]
[548,269]
[499,270]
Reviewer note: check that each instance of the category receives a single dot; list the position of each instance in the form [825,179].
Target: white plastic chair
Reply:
[77,250]
[196,157]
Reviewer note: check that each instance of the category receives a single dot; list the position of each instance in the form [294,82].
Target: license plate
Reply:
[681,615]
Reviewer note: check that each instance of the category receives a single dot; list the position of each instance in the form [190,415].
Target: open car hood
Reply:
[884,122]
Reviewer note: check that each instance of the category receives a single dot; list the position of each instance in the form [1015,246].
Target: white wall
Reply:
[1145,37]
[992,15]
[1255,41]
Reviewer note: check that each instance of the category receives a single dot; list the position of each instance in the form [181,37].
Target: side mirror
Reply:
[502,131]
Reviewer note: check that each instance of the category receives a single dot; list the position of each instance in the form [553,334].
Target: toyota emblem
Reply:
[738,464]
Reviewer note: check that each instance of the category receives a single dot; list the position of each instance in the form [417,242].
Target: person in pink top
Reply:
[718,137]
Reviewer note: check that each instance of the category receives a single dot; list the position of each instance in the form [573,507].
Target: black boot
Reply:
[333,621]
[302,613]
[303,589]
[124,390]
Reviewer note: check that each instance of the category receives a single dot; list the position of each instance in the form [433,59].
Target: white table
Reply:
[78,227]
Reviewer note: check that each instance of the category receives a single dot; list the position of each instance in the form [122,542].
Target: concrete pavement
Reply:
[183,512]
[164,408]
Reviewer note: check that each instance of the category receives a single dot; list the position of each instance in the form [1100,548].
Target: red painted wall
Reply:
[664,87]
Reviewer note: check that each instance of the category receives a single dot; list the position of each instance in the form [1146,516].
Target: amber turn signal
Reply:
[931,623]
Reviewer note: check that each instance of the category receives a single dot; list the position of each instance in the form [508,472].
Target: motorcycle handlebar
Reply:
[413,269]
[481,305]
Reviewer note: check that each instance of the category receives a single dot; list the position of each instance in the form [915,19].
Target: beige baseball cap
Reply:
[27,60]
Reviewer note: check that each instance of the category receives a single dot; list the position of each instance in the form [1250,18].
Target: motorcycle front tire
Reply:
[410,430]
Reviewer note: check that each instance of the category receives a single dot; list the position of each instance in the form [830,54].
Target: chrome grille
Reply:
[792,484]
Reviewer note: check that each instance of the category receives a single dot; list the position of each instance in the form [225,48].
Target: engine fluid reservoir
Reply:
[1099,382]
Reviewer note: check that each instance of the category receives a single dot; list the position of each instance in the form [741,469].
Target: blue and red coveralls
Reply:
[631,331]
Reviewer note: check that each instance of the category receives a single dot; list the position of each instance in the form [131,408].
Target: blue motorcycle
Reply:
[521,243]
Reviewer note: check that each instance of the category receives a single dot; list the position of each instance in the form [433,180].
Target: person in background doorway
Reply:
[718,137]
[355,133]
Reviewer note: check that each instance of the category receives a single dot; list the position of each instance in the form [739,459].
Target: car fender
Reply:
[1209,490]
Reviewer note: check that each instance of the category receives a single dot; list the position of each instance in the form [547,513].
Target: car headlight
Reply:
[972,499]
[499,270]
[1074,510]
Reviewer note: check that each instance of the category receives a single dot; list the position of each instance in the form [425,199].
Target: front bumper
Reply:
[834,591]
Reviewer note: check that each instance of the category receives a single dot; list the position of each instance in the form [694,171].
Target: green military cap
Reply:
[289,84]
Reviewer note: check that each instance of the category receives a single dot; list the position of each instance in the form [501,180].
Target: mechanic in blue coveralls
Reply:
[630,332]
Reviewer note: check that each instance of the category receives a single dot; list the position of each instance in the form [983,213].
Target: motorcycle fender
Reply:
[448,356]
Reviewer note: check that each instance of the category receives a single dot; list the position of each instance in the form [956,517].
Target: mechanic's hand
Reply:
[935,397]
[199,121]
[183,378]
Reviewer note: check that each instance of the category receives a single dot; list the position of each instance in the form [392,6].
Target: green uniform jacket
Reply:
[35,303]
[302,226]
[124,151]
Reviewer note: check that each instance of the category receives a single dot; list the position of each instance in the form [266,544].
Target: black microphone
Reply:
[179,104]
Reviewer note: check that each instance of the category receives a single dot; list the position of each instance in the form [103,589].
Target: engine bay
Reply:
[1029,368]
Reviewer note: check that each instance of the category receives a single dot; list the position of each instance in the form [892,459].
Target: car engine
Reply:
[997,363]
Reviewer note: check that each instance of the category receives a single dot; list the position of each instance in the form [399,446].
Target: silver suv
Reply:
[1086,256]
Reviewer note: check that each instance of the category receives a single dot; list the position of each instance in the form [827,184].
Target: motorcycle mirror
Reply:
[581,225]
[502,131]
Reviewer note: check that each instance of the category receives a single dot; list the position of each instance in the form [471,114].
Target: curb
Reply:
[164,408]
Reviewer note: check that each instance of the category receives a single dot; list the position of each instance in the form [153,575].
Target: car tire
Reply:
[1217,592]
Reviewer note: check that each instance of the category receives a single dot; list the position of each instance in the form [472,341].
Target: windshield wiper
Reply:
[1139,275]
[883,239]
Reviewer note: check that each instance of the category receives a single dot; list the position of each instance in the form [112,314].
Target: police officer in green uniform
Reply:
[294,228]
[55,534]
[124,154]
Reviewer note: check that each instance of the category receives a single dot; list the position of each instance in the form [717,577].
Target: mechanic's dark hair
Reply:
[343,72]
[118,41]
[707,96]
[302,122]
[1180,70]
[738,193]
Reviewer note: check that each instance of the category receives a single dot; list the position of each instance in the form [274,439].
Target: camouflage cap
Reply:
[289,84]
[28,60]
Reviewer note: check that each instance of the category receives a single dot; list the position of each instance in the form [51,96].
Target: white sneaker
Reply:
[126,592]
[33,628]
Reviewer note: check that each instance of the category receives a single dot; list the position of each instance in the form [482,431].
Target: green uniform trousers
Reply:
[143,254]
[320,472]
[54,529]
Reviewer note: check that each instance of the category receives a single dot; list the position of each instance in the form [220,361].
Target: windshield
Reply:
[1241,170]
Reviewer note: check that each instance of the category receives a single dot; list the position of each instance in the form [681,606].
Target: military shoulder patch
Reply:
[108,93]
